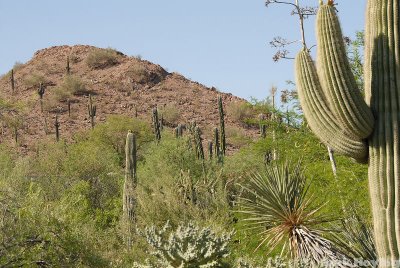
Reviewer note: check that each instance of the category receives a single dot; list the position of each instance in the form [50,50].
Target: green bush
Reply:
[100,58]
[71,85]
[33,80]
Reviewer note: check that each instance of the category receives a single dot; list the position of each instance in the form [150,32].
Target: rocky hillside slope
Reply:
[118,84]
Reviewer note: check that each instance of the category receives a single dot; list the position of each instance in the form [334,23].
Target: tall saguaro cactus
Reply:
[12,81]
[222,125]
[41,91]
[368,129]
[129,201]
[92,109]
[156,124]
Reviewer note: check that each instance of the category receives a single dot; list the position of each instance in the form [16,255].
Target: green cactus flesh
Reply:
[337,112]
[320,118]
[129,187]
[382,90]
[338,83]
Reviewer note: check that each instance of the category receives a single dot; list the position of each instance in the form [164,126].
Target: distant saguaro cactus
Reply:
[338,115]
[69,107]
[12,81]
[92,109]
[222,125]
[217,148]
[57,126]
[263,130]
[156,124]
[129,196]
[210,149]
[199,143]
[41,91]
[68,68]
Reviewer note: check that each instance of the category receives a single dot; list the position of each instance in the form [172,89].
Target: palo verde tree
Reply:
[367,130]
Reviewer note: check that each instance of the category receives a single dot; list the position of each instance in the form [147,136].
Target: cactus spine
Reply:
[91,110]
[341,119]
[129,201]
[156,124]
[41,91]
[222,125]
[12,81]
[57,126]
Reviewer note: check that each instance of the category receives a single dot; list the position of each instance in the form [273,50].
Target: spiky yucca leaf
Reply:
[277,204]
[355,236]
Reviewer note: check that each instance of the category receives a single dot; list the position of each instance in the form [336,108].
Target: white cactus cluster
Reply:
[189,246]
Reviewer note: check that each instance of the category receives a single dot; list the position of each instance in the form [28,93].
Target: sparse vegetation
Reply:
[33,80]
[101,58]
[71,85]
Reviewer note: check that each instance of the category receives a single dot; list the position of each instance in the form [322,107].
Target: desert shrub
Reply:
[137,73]
[236,136]
[34,80]
[101,58]
[187,246]
[239,111]
[35,231]
[113,133]
[174,186]
[170,114]
[71,85]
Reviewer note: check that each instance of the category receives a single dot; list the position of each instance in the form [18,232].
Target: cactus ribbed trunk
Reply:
[339,117]
[129,197]
[382,90]
[222,125]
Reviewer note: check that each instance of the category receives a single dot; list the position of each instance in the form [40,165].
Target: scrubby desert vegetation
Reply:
[110,161]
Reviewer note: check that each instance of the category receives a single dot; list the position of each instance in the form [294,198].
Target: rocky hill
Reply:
[118,84]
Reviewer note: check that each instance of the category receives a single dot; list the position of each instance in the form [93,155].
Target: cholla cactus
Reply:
[187,247]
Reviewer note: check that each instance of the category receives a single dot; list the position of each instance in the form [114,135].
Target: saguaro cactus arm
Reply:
[338,82]
[347,111]
[319,116]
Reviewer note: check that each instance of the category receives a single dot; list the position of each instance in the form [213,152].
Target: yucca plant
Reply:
[277,204]
[355,236]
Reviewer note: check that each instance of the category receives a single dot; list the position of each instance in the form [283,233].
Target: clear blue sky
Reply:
[215,42]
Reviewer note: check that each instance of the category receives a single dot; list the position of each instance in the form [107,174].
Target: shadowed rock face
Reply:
[120,87]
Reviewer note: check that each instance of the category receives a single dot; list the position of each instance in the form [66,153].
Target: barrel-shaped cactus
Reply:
[336,113]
